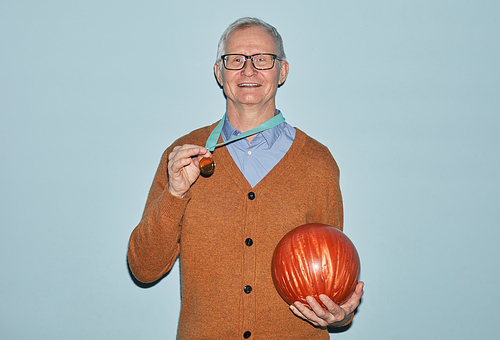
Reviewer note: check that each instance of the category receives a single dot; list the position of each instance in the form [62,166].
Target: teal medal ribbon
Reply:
[214,136]
[207,165]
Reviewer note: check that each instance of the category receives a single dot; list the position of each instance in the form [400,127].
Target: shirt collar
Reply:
[270,135]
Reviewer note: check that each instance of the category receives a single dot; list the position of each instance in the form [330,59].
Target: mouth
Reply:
[248,85]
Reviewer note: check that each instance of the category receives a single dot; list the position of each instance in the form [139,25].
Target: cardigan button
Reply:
[249,241]
[247,334]
[251,195]
[247,289]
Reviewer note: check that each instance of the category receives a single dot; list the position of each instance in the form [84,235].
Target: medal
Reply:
[207,166]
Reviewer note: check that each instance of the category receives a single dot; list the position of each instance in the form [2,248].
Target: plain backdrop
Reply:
[405,94]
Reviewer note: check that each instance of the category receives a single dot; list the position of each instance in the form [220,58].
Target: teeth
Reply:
[250,85]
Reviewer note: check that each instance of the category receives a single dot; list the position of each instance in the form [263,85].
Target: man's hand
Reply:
[334,315]
[183,168]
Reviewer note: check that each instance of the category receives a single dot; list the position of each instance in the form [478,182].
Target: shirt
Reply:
[268,147]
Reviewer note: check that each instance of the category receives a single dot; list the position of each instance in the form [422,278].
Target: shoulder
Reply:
[317,153]
[195,137]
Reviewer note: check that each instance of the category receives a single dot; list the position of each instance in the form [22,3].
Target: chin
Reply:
[251,100]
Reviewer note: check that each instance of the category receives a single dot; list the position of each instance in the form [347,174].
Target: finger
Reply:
[207,154]
[301,310]
[181,157]
[176,165]
[353,302]
[188,150]
[192,146]
[317,308]
[323,316]
[315,313]
[297,312]
[334,309]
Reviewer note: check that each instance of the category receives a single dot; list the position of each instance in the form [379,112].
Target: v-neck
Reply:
[225,163]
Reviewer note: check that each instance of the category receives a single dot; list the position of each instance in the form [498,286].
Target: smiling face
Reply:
[250,87]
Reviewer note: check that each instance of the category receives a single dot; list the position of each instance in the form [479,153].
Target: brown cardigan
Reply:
[225,232]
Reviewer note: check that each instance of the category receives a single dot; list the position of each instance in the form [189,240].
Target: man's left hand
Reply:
[333,315]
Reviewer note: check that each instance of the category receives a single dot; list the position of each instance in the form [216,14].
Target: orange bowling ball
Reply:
[315,259]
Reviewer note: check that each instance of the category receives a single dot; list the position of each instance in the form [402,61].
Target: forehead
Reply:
[250,40]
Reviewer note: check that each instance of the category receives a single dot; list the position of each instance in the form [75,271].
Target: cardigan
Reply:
[225,232]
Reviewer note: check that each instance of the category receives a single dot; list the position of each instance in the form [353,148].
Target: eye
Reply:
[235,59]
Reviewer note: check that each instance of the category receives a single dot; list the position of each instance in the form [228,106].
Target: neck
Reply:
[247,118]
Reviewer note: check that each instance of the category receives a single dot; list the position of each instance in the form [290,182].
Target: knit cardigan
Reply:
[224,232]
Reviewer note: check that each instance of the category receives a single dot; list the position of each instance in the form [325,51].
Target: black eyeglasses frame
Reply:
[224,61]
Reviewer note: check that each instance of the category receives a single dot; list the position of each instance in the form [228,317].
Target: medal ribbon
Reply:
[214,136]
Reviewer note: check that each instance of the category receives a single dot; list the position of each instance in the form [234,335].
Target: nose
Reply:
[248,68]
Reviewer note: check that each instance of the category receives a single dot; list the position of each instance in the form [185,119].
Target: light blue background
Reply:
[405,94]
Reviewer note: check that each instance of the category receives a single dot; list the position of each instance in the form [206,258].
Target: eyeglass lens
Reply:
[260,61]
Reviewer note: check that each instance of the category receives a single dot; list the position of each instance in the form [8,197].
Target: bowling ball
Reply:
[315,259]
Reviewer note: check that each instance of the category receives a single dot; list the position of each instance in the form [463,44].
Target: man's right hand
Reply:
[183,168]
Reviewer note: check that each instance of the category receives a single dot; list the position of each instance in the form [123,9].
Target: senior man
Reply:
[225,226]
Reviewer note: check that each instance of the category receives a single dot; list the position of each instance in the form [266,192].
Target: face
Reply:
[249,86]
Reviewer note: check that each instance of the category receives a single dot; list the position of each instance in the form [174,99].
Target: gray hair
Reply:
[246,23]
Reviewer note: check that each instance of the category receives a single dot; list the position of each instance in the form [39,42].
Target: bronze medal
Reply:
[207,166]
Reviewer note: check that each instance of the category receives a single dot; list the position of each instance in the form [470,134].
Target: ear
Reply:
[283,72]
[218,74]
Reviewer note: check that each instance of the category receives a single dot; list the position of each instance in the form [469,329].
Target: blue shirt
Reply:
[267,149]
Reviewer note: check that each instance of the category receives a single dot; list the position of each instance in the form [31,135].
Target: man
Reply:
[224,227]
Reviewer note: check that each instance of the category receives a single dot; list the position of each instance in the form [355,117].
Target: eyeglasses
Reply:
[261,61]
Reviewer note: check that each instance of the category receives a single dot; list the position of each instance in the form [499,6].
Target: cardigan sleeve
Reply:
[335,204]
[325,177]
[336,213]
[154,243]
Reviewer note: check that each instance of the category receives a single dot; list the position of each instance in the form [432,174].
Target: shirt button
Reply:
[247,289]
[249,153]
[247,334]
[249,241]
[251,195]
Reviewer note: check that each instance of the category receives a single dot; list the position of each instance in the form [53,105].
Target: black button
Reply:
[247,334]
[247,289]
[251,195]
[249,241]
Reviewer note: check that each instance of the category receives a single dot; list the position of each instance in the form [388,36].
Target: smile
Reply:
[248,85]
